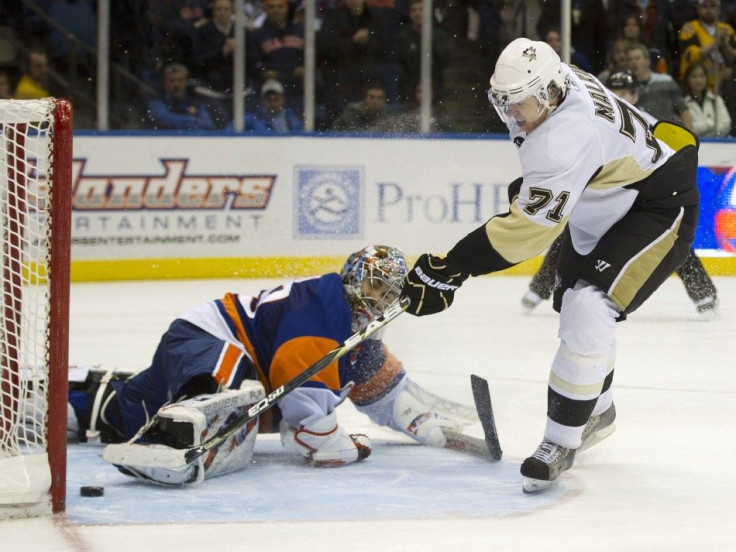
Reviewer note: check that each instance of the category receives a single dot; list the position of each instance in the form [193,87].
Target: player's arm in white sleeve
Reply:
[554,177]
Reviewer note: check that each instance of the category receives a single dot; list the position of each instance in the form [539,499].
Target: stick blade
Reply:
[482,398]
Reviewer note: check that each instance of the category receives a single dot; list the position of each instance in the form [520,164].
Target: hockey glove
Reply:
[324,443]
[430,286]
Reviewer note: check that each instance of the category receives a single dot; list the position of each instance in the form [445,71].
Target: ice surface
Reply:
[663,481]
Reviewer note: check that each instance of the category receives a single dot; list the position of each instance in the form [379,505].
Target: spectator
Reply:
[349,50]
[177,109]
[33,84]
[554,39]
[174,24]
[5,88]
[214,44]
[659,94]
[409,48]
[366,114]
[677,13]
[276,51]
[587,28]
[708,110]
[618,59]
[709,41]
[518,19]
[272,116]
[632,28]
[644,21]
[393,17]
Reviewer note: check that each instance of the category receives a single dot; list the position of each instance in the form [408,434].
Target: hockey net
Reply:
[35,222]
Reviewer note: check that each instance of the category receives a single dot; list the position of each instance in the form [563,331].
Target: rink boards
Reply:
[211,206]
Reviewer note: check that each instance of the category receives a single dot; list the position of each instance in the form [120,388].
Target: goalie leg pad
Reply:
[185,424]
[418,420]
[324,443]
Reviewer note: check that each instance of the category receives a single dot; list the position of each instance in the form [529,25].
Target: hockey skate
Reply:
[543,467]
[598,428]
[529,301]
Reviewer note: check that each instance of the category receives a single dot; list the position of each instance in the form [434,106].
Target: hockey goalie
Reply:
[218,359]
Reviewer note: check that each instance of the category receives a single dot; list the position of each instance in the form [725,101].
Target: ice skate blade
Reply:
[597,438]
[534,486]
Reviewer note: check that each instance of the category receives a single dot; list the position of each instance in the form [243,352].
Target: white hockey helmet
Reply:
[373,278]
[526,68]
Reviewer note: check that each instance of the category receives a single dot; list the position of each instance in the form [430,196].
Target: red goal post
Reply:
[35,231]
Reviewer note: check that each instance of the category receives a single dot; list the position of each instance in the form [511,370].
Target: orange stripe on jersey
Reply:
[297,354]
[228,363]
[379,382]
[229,304]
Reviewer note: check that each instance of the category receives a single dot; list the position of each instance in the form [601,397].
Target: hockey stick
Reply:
[179,459]
[482,398]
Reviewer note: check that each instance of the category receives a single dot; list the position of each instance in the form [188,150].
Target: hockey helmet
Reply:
[373,278]
[623,80]
[524,69]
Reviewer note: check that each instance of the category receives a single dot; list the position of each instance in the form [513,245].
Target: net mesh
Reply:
[25,226]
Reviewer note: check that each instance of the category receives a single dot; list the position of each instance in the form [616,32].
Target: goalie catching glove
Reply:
[324,443]
[430,286]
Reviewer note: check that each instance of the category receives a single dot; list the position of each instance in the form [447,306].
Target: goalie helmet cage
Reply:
[35,227]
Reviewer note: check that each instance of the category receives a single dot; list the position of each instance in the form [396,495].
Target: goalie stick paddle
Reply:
[482,398]
[264,404]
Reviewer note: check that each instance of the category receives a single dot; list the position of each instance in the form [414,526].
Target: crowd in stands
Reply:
[682,53]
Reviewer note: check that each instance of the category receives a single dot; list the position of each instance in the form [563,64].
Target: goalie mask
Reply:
[527,77]
[372,278]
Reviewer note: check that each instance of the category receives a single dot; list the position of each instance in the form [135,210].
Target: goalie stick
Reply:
[482,398]
[179,459]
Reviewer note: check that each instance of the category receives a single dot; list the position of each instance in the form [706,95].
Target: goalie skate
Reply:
[543,467]
[598,428]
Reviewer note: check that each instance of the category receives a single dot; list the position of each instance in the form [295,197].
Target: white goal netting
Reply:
[26,225]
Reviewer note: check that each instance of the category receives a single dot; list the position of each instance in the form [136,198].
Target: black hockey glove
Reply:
[430,286]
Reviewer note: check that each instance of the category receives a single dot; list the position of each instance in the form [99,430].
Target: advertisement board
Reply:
[167,206]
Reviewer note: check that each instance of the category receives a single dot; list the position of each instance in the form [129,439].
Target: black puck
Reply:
[92,491]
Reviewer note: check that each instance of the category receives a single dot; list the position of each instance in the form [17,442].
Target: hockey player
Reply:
[624,197]
[698,284]
[216,360]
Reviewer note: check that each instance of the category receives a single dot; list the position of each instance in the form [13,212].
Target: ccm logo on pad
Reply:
[433,283]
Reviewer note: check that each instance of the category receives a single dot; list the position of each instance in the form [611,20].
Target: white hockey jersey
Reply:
[576,167]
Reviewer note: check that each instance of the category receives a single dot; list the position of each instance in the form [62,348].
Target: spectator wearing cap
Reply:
[272,116]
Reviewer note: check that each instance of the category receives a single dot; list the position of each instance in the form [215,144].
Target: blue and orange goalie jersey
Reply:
[286,329]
